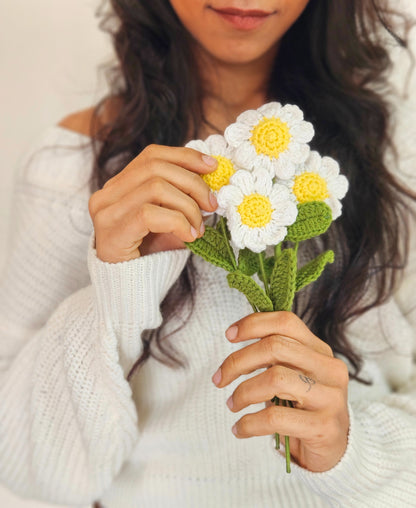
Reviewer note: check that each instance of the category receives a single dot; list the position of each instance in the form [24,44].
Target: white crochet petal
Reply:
[298,152]
[236,133]
[338,187]
[335,207]
[253,241]
[263,183]
[303,132]
[245,155]
[273,235]
[264,162]
[250,117]
[198,144]
[229,196]
[291,114]
[312,163]
[285,213]
[244,180]
[284,168]
[216,144]
[280,193]
[270,109]
[330,167]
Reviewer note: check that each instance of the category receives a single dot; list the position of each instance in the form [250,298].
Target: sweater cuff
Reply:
[129,294]
[351,475]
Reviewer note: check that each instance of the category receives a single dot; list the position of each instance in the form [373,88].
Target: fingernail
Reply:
[216,378]
[194,232]
[213,200]
[202,228]
[210,161]
[230,402]
[234,429]
[231,333]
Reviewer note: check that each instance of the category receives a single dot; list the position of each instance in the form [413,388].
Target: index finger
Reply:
[286,324]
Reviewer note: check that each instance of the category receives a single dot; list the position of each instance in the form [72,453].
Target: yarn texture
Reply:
[73,430]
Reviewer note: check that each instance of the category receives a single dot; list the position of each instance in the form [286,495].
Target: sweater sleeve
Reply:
[69,334]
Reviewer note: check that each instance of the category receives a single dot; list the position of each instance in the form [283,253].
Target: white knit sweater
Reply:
[72,430]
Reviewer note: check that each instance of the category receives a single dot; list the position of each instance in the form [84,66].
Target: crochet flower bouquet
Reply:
[271,188]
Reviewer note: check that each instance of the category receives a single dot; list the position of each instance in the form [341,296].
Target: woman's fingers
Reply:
[305,425]
[184,174]
[162,193]
[149,218]
[276,349]
[286,384]
[262,324]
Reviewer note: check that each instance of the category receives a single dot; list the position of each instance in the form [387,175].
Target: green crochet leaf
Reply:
[313,219]
[212,248]
[312,270]
[255,295]
[283,280]
[248,261]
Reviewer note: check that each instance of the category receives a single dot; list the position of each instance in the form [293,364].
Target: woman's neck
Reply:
[230,89]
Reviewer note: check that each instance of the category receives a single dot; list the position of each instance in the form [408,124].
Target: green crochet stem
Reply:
[287,447]
[280,274]
[263,274]
[227,243]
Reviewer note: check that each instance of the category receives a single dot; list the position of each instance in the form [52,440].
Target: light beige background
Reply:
[49,54]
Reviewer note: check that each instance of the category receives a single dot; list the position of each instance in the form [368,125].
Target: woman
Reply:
[88,410]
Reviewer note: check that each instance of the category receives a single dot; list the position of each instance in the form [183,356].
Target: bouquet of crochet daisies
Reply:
[271,188]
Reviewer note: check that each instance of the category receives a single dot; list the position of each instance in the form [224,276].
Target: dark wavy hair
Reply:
[332,63]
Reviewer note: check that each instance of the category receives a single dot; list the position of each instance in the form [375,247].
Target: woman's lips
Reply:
[243,19]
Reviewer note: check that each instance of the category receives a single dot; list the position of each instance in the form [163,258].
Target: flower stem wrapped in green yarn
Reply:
[279,194]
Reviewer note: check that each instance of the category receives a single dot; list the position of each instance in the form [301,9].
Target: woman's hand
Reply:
[300,368]
[153,203]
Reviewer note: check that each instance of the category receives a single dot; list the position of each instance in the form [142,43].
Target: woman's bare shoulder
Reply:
[85,122]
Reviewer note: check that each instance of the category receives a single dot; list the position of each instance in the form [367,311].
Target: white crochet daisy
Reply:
[274,136]
[318,179]
[258,211]
[216,146]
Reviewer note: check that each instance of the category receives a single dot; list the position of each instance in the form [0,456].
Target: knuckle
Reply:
[179,222]
[277,375]
[286,318]
[93,203]
[244,426]
[272,346]
[143,213]
[230,365]
[342,372]
[152,165]
[157,185]
[149,150]
[327,349]
[196,180]
[101,220]
[196,210]
[271,417]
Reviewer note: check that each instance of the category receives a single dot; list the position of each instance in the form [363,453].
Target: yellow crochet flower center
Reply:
[255,210]
[310,187]
[221,176]
[271,137]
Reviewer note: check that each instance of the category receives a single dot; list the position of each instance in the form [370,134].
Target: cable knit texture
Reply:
[73,430]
